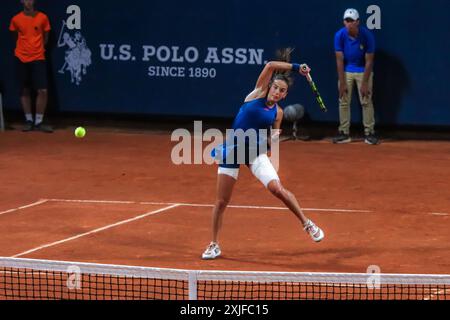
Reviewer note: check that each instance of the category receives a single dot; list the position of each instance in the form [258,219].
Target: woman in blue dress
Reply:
[259,111]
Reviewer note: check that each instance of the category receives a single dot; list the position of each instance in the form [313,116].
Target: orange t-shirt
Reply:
[30,42]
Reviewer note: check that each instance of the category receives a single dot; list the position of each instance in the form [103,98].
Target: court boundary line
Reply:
[329,210]
[122,222]
[36,203]
[42,201]
[206,205]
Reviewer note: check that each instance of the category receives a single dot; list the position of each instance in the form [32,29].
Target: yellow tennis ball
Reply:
[80,132]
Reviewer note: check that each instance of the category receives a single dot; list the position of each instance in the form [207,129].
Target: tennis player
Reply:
[259,111]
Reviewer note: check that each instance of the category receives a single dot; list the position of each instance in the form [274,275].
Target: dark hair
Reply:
[285,56]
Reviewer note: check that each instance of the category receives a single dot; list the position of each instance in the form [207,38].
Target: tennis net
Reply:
[43,279]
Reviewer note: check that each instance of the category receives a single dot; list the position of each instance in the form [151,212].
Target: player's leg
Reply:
[368,112]
[276,188]
[344,111]
[226,180]
[264,171]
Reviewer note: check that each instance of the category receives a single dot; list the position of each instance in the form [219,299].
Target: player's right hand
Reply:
[304,69]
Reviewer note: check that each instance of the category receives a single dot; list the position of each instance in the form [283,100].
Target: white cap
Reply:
[351,13]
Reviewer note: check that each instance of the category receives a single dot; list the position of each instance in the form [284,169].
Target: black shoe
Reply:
[371,139]
[29,126]
[43,128]
[342,138]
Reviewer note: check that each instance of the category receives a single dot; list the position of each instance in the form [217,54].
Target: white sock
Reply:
[29,117]
[39,118]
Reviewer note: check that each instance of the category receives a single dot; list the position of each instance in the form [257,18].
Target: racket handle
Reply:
[304,67]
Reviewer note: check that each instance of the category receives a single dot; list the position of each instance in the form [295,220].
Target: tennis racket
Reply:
[314,88]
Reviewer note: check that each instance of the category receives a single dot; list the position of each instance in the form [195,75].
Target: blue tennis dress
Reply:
[252,115]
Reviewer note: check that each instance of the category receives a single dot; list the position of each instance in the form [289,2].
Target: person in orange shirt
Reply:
[31,29]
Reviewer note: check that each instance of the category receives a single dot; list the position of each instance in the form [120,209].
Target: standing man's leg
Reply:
[40,83]
[344,111]
[41,105]
[25,100]
[367,110]
[24,77]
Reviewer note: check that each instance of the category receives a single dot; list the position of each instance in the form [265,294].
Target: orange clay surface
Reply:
[404,186]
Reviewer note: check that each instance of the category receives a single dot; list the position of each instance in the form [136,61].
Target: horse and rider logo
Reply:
[77,57]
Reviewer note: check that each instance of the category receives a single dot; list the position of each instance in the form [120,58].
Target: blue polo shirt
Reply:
[354,49]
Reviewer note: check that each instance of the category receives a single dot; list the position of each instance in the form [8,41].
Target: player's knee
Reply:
[222,203]
[276,189]
[42,91]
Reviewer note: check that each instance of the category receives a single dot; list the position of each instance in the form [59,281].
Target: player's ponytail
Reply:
[284,54]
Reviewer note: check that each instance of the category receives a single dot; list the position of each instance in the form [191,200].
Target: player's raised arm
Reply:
[265,76]
[282,65]
[262,84]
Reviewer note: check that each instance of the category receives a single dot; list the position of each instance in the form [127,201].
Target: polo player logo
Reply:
[77,57]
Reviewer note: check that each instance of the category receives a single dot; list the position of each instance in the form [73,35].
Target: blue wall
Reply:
[411,71]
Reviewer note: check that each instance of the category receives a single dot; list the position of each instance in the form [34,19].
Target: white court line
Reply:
[93,201]
[305,209]
[95,231]
[208,205]
[24,207]
[272,208]
[112,202]
[440,214]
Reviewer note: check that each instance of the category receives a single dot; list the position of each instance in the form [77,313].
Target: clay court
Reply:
[115,197]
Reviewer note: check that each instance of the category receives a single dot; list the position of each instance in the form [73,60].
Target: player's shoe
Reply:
[212,251]
[314,231]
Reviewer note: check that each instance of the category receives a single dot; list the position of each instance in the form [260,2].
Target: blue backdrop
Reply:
[213,52]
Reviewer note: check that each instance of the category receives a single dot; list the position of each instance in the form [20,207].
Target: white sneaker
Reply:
[314,231]
[212,251]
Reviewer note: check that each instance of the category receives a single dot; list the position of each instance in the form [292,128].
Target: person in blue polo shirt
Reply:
[355,53]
